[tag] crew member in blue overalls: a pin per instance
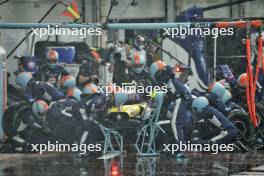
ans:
(54, 123)
(177, 92)
(224, 132)
(220, 98)
(37, 89)
(63, 126)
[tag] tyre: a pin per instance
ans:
(260, 115)
(243, 123)
(8, 117)
(13, 117)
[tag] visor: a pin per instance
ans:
(138, 66)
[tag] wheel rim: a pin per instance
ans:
(242, 128)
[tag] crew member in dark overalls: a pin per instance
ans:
(37, 90)
(51, 72)
(224, 132)
(177, 92)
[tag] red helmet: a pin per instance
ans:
(242, 80)
(40, 107)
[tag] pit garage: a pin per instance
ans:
(132, 87)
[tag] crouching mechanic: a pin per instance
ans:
(220, 98)
(67, 82)
(212, 126)
(72, 120)
(177, 92)
(37, 89)
(31, 130)
(91, 110)
(227, 100)
(64, 127)
(53, 123)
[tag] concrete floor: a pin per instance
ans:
(64, 164)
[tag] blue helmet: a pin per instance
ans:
(200, 103)
(227, 96)
(74, 92)
(22, 79)
(217, 89)
(90, 88)
(68, 81)
(120, 98)
(39, 107)
(243, 80)
(155, 67)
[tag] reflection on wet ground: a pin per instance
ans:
(64, 164)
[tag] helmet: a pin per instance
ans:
(68, 81)
(242, 80)
(120, 98)
(52, 58)
(74, 92)
(95, 55)
(22, 79)
(200, 103)
(138, 61)
(90, 89)
(217, 89)
(227, 96)
(139, 42)
(155, 67)
(39, 107)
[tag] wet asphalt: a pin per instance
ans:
(129, 164)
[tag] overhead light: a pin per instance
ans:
(133, 3)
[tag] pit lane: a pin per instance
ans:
(250, 163)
